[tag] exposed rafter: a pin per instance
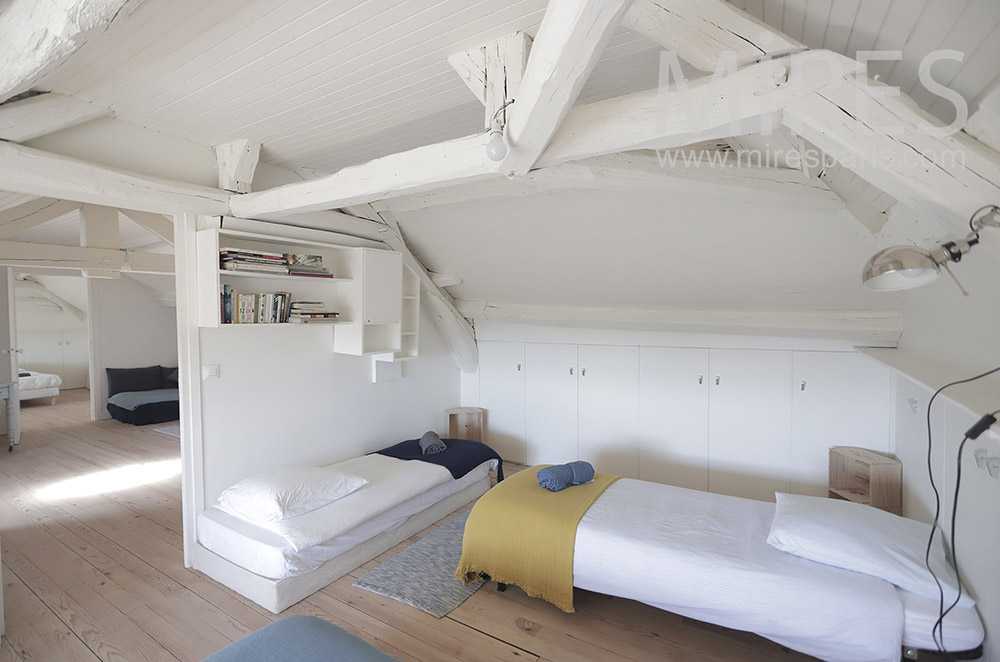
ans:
(28, 282)
(237, 161)
(27, 170)
(702, 32)
(493, 72)
(160, 225)
(38, 211)
(38, 115)
(984, 122)
(36, 37)
(569, 42)
(454, 329)
(15, 254)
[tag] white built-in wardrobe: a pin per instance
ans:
(746, 422)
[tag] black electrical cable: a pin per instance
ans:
(939, 624)
(937, 499)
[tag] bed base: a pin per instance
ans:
(923, 654)
(35, 393)
(276, 595)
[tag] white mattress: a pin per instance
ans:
(963, 629)
(705, 556)
(268, 554)
(37, 380)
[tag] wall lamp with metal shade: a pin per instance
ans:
(904, 267)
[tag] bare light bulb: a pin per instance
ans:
(496, 149)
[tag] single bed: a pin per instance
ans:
(276, 564)
(706, 556)
(33, 385)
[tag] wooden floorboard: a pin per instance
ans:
(101, 577)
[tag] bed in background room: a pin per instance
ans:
(281, 536)
(808, 573)
(32, 385)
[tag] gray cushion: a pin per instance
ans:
(134, 379)
(300, 638)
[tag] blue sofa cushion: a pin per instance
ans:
(300, 638)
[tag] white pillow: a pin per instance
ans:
(284, 493)
(864, 539)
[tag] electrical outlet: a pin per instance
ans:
(210, 371)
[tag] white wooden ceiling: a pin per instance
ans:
(328, 84)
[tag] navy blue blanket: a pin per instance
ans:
(461, 457)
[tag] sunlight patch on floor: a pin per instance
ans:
(112, 480)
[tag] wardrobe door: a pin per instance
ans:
(673, 416)
(43, 352)
(609, 408)
(501, 395)
(551, 403)
(838, 399)
(76, 359)
(749, 438)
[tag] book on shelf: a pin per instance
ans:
(249, 252)
(307, 320)
(315, 315)
(292, 271)
(308, 305)
(255, 267)
(303, 260)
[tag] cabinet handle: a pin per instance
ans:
(519, 367)
(802, 385)
(716, 380)
(571, 371)
(583, 372)
(701, 379)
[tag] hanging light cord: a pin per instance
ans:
(972, 219)
(500, 109)
(937, 632)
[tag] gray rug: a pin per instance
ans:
(172, 430)
(423, 574)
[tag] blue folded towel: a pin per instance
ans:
(431, 444)
(560, 476)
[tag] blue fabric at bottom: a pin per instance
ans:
(300, 638)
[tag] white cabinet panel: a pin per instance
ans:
(551, 403)
(76, 359)
(609, 415)
(42, 351)
(501, 394)
(749, 422)
(673, 416)
(838, 399)
(382, 285)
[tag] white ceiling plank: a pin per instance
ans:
(817, 15)
(41, 173)
(417, 170)
(867, 26)
(935, 22)
(976, 30)
(701, 31)
(38, 211)
(794, 19)
(839, 24)
(899, 23)
(36, 38)
(569, 42)
(237, 160)
(159, 224)
(15, 254)
(984, 122)
(851, 123)
(662, 119)
(38, 115)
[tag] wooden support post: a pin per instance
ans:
(99, 229)
(493, 72)
(237, 161)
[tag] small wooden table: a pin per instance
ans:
(9, 393)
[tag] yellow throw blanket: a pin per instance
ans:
(523, 534)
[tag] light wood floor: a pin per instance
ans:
(102, 577)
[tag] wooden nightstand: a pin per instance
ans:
(465, 423)
(864, 476)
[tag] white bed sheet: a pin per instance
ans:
(37, 380)
(266, 553)
(705, 556)
(963, 629)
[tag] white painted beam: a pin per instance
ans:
(710, 108)
(29, 283)
(160, 225)
(454, 329)
(862, 326)
(38, 115)
(471, 68)
(569, 42)
(38, 211)
(36, 36)
(27, 170)
(889, 141)
(493, 72)
(840, 180)
(414, 171)
(99, 229)
(237, 161)
(984, 123)
(698, 171)
(702, 32)
(16, 254)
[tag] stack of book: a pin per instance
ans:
(245, 259)
(302, 312)
(254, 308)
(299, 264)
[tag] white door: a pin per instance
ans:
(673, 416)
(609, 408)
(76, 359)
(550, 413)
(749, 422)
(382, 287)
(501, 395)
(838, 399)
(9, 360)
